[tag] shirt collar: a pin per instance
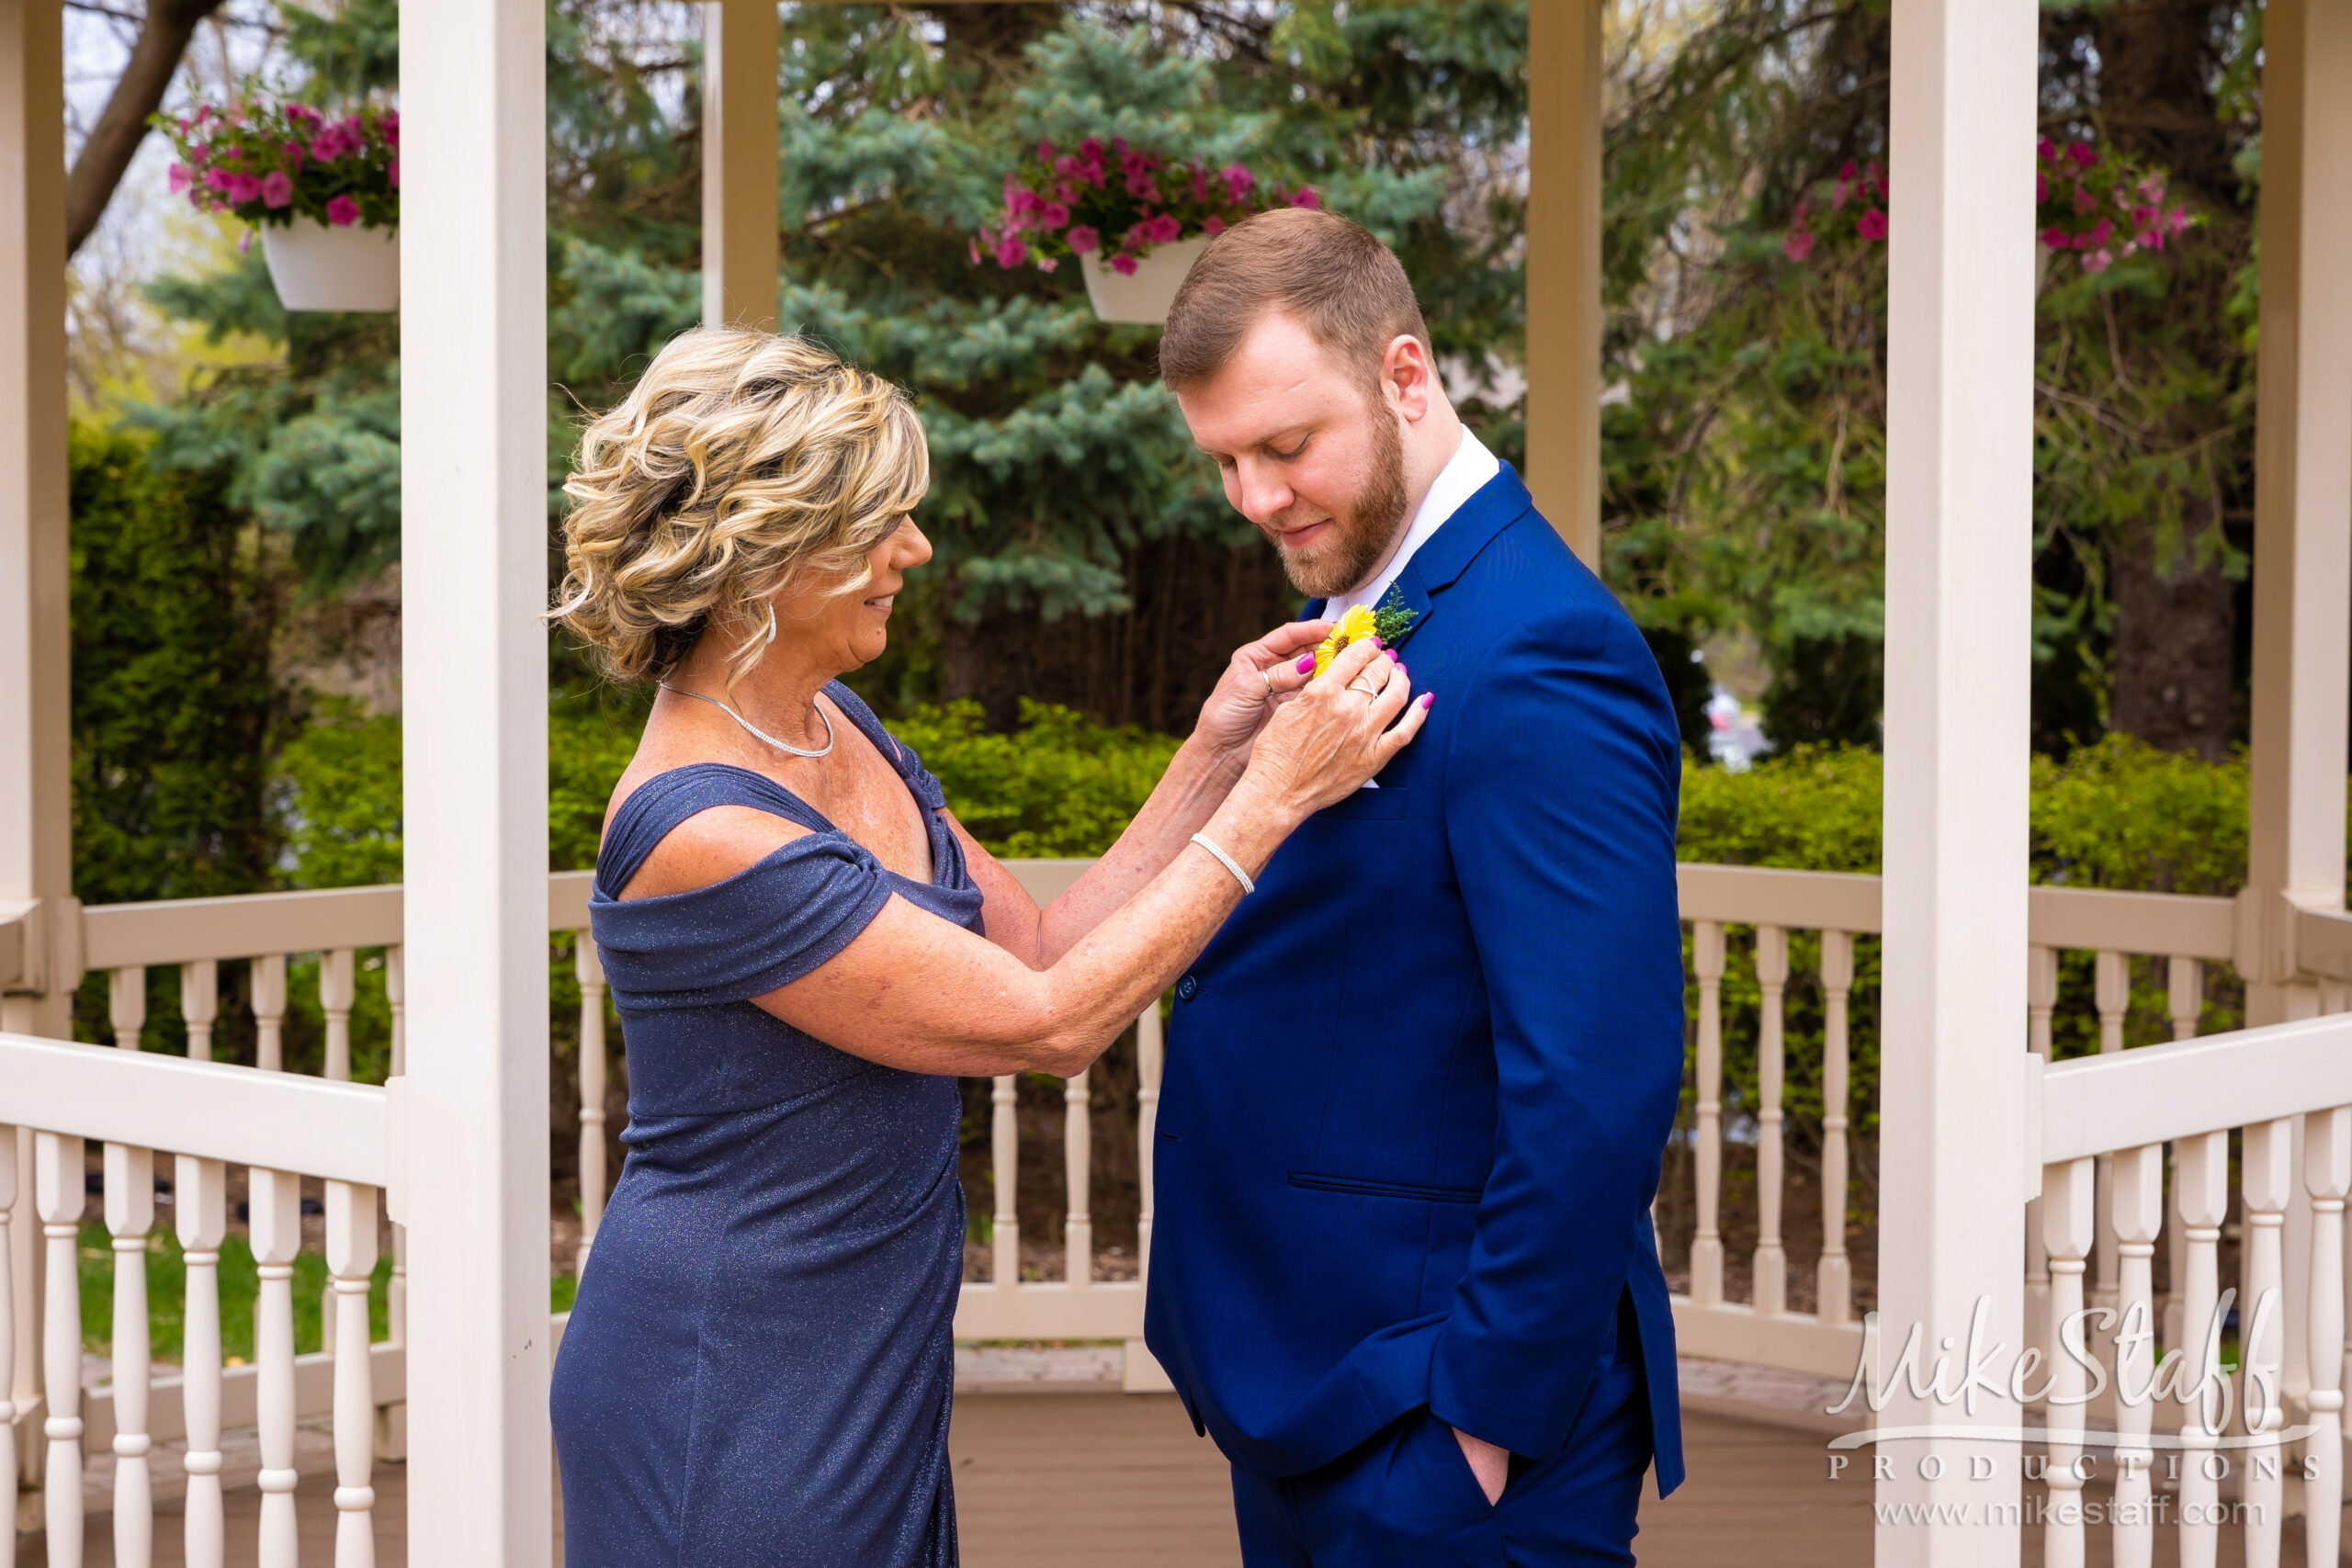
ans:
(1464, 476)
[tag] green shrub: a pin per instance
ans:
(1062, 785)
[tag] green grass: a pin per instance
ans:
(240, 1288)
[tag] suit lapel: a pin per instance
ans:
(1439, 563)
(1436, 566)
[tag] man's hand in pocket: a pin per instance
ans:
(1489, 1463)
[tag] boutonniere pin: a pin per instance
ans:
(1391, 622)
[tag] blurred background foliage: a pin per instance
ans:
(236, 468)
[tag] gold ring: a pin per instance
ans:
(1268, 676)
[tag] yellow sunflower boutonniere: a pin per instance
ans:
(1389, 622)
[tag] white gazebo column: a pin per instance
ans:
(2302, 497)
(36, 788)
(473, 483)
(739, 163)
(1959, 559)
(1563, 270)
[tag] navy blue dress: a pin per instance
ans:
(759, 1366)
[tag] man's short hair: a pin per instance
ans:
(1348, 289)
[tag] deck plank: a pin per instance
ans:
(1058, 1480)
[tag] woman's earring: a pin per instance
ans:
(771, 642)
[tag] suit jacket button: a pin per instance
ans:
(1188, 987)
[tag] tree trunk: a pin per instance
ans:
(122, 125)
(2175, 628)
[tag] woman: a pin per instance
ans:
(809, 950)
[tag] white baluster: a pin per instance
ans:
(1004, 1148)
(58, 1196)
(2186, 997)
(1150, 1047)
(8, 1461)
(1077, 1165)
(269, 985)
(588, 966)
(338, 988)
(2327, 1177)
(2040, 1001)
(2114, 996)
(396, 1293)
(274, 1224)
(2138, 1214)
(1834, 1281)
(2067, 1191)
(200, 1210)
(2200, 1197)
(2265, 1174)
(200, 1006)
(351, 1260)
(1706, 1242)
(131, 1215)
(127, 1005)
(1771, 1263)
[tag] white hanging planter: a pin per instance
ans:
(1145, 294)
(317, 267)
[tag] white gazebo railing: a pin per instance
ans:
(201, 1118)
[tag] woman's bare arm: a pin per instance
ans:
(921, 993)
(1203, 772)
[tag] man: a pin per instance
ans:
(1419, 1086)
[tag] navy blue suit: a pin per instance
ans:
(1417, 1091)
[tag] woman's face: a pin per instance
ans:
(848, 631)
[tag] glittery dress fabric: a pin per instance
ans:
(759, 1366)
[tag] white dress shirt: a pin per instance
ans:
(1462, 477)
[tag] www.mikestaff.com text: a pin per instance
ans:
(2028, 1511)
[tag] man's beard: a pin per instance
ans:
(1365, 532)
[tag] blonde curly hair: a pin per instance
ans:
(740, 463)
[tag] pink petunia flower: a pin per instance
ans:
(216, 179)
(1238, 181)
(293, 153)
(1139, 186)
(1304, 197)
(1011, 251)
(2081, 154)
(178, 178)
(2056, 239)
(1091, 150)
(1044, 152)
(343, 212)
(1083, 239)
(2045, 150)
(2098, 260)
(1797, 246)
(1047, 263)
(245, 187)
(1846, 171)
(1871, 224)
(1123, 265)
(276, 188)
(2085, 201)
(1053, 215)
(1212, 225)
(2176, 219)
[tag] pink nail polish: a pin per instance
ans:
(1306, 665)
(1429, 699)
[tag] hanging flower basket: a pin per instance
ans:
(1145, 294)
(1135, 220)
(324, 192)
(316, 266)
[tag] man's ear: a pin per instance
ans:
(1410, 378)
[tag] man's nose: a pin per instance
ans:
(1264, 494)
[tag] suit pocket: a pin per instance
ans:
(1314, 1181)
(1385, 804)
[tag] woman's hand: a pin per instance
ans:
(1260, 677)
(1341, 730)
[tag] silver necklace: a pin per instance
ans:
(755, 729)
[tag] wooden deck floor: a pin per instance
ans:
(1069, 1479)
